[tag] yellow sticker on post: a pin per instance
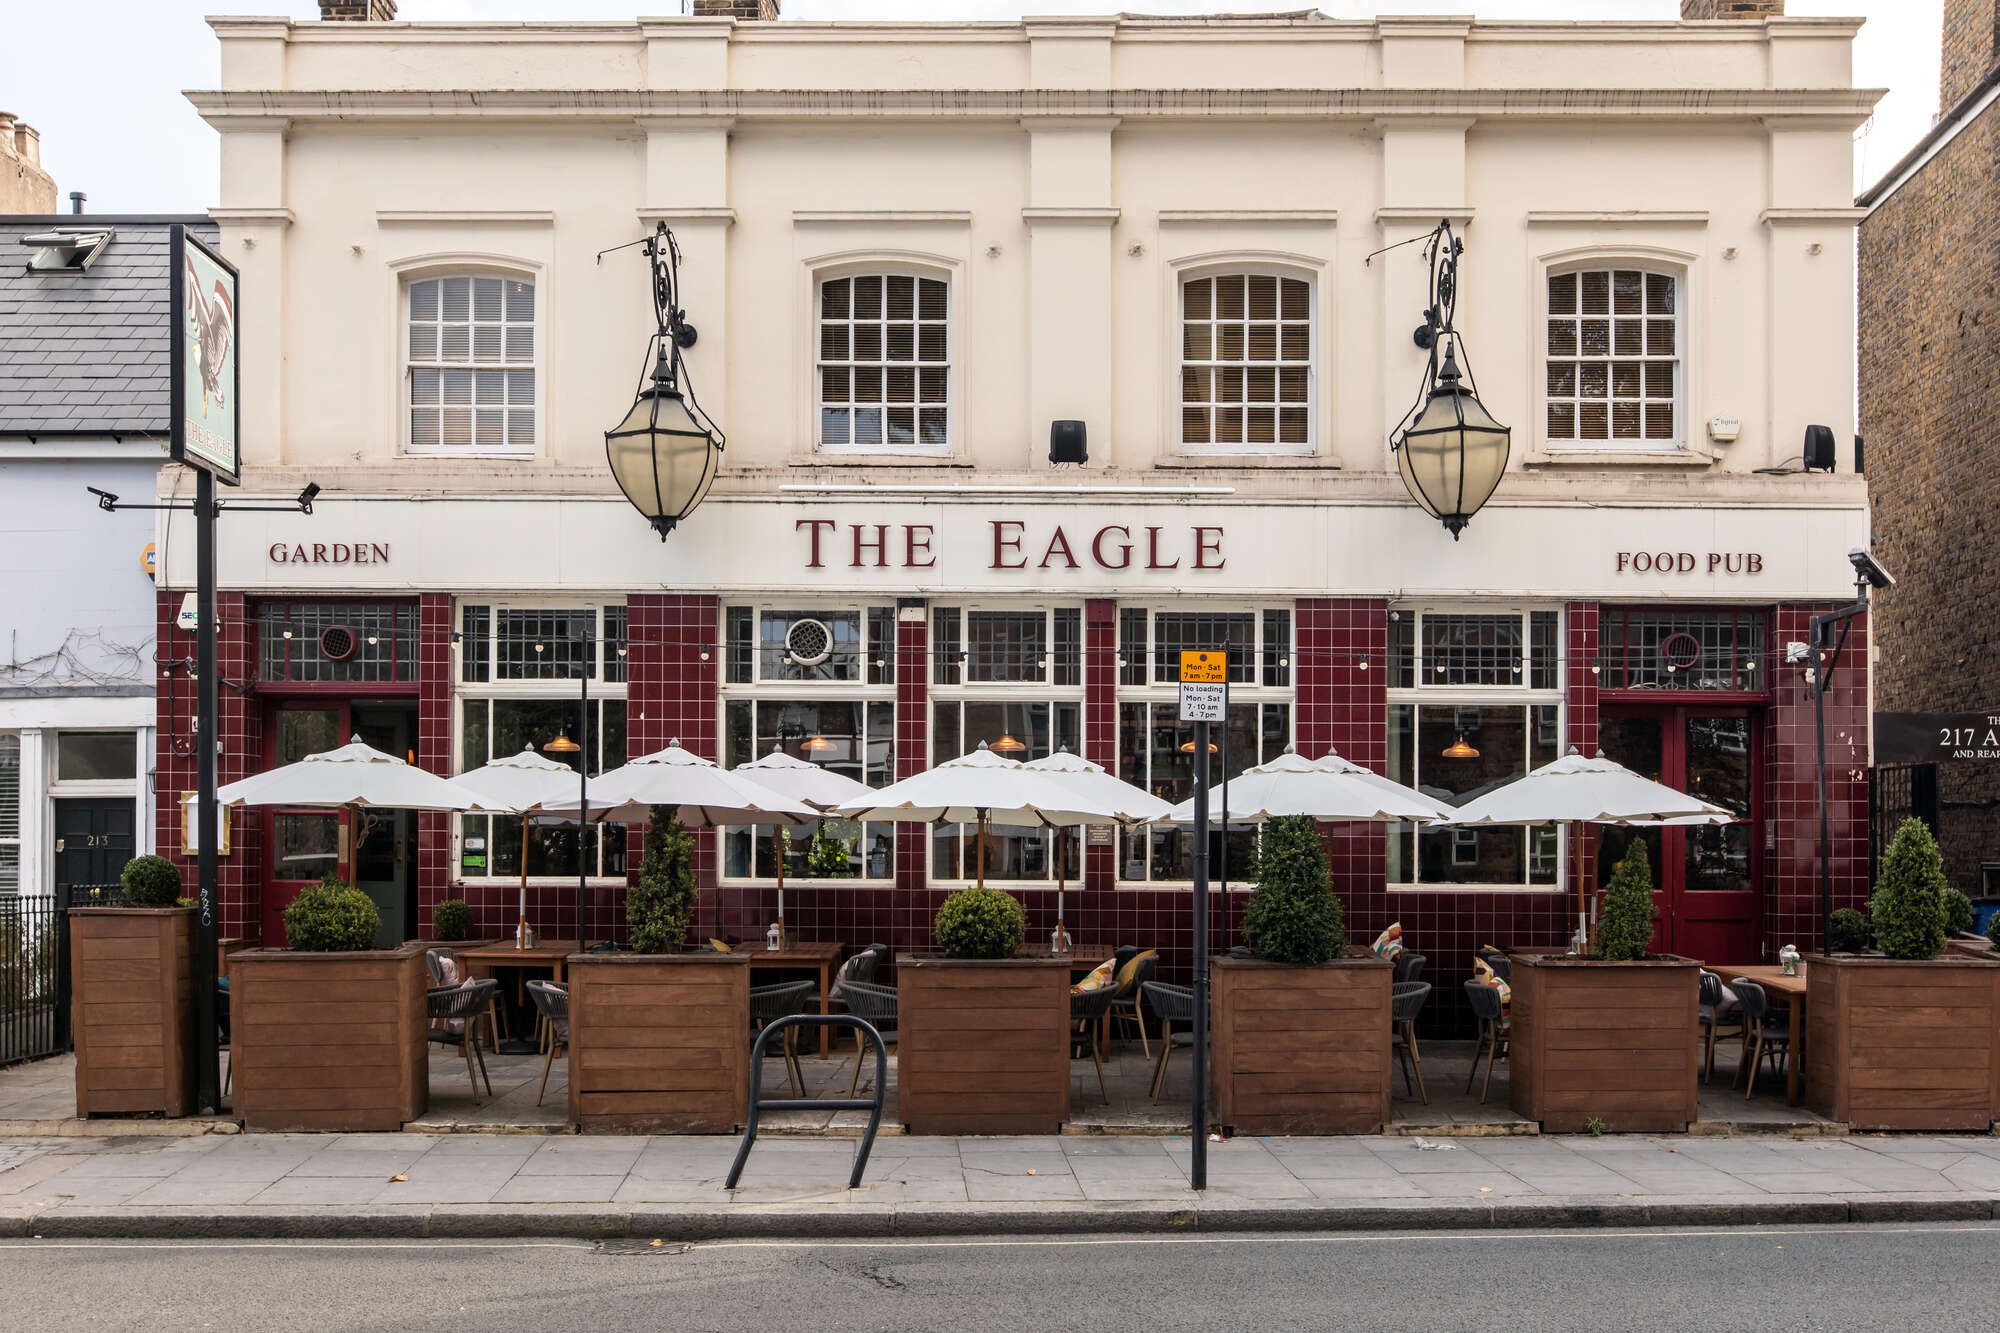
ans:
(1204, 666)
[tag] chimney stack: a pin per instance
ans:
(24, 186)
(743, 11)
(357, 11)
(1697, 10)
(1970, 48)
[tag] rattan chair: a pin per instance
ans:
(1174, 1005)
(768, 1004)
(862, 967)
(1495, 1033)
(1406, 1001)
(1087, 1011)
(876, 1004)
(1764, 1036)
(1713, 1025)
(1408, 967)
(552, 1004)
(455, 1012)
(1128, 995)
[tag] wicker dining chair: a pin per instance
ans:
(876, 1004)
(770, 1003)
(1087, 1011)
(455, 1012)
(1765, 1035)
(1406, 1001)
(1495, 1033)
(1408, 967)
(1713, 1025)
(1175, 1006)
(1128, 994)
(552, 1004)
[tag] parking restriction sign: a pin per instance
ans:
(1204, 667)
(1204, 686)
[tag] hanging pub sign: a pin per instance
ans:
(203, 346)
(1923, 738)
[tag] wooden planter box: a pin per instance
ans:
(1300, 1050)
(1892, 1044)
(659, 1043)
(1618, 1043)
(329, 1041)
(1970, 946)
(982, 1045)
(132, 1010)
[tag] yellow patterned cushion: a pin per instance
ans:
(1390, 942)
(1483, 973)
(1099, 978)
(1128, 975)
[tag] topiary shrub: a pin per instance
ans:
(1293, 916)
(1625, 926)
(981, 923)
(1957, 912)
(452, 920)
(662, 904)
(1908, 906)
(151, 881)
(332, 917)
(1847, 931)
(1993, 929)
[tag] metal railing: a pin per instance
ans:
(758, 1103)
(32, 989)
(1895, 793)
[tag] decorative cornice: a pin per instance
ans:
(1192, 216)
(1779, 217)
(1426, 214)
(1846, 106)
(1555, 217)
(888, 216)
(725, 216)
(531, 217)
(282, 217)
(1081, 216)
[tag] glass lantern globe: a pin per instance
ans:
(662, 455)
(1453, 455)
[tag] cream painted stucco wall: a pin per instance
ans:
(1063, 174)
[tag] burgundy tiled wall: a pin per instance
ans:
(1791, 798)
(673, 662)
(239, 875)
(1582, 678)
(434, 705)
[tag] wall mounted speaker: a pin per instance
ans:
(1067, 442)
(1819, 449)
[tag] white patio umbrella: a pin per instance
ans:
(699, 792)
(982, 788)
(522, 784)
(1576, 791)
(1135, 805)
(820, 788)
(1329, 788)
(355, 775)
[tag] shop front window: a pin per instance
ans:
(809, 645)
(1474, 702)
(315, 643)
(1156, 751)
(852, 737)
(1022, 729)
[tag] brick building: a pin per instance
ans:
(1930, 351)
(908, 249)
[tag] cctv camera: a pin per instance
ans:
(1869, 569)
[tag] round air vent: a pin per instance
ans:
(1680, 650)
(337, 643)
(809, 642)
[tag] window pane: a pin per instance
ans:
(1175, 632)
(1471, 649)
(1463, 751)
(305, 846)
(1006, 645)
(96, 756)
(815, 645)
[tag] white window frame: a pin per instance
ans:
(555, 688)
(15, 840)
(1523, 696)
(890, 264)
(427, 268)
(1003, 692)
(1274, 264)
(1690, 445)
(1166, 694)
(779, 690)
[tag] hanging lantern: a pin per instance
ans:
(1449, 450)
(665, 453)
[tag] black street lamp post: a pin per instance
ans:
(1825, 648)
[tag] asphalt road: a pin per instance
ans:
(1932, 1278)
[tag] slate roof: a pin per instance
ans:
(87, 352)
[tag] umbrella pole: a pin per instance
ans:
(1055, 941)
(982, 848)
(779, 838)
(1582, 891)
(521, 930)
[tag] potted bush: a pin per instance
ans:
(1300, 1036)
(451, 921)
(329, 1033)
(1847, 931)
(1612, 1040)
(132, 997)
(983, 1035)
(658, 1036)
(1906, 1037)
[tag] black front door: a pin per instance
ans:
(93, 843)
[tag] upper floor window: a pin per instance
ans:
(319, 643)
(470, 377)
(1246, 363)
(1614, 361)
(884, 363)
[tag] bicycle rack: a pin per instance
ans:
(758, 1104)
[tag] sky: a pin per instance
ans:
(102, 79)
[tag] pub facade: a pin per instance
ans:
(909, 250)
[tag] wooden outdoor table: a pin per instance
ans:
(801, 956)
(1774, 980)
(1082, 957)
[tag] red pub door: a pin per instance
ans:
(1705, 878)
